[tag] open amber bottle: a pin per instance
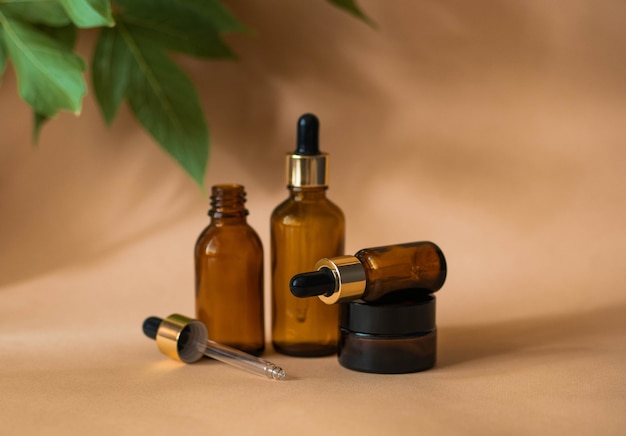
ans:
(304, 228)
(229, 274)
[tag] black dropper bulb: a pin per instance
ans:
(311, 284)
(308, 135)
(151, 326)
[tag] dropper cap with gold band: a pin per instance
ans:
(336, 279)
(176, 333)
(349, 275)
(307, 166)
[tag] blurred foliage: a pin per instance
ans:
(130, 62)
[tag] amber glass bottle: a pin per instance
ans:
(229, 274)
(304, 228)
(420, 265)
(373, 273)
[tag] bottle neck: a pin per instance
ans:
(227, 204)
(299, 193)
(305, 171)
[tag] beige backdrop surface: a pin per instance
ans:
(495, 129)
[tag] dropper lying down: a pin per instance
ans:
(186, 339)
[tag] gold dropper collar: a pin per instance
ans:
(349, 278)
(307, 171)
(177, 336)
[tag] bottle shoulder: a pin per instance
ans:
(294, 207)
(229, 234)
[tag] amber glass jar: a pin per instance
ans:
(394, 335)
(229, 274)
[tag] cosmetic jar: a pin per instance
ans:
(394, 335)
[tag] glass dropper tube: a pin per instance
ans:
(241, 360)
(186, 339)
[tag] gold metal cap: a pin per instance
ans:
(307, 171)
(177, 337)
(349, 278)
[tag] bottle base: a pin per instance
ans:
(305, 349)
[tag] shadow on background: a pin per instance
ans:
(462, 344)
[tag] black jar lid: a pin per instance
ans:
(400, 313)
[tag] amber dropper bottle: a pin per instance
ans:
(229, 274)
(304, 228)
(373, 273)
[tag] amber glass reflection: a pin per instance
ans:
(304, 228)
(388, 355)
(419, 265)
(229, 274)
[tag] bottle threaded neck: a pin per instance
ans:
(228, 201)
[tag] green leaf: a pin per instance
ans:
(38, 122)
(3, 56)
(351, 7)
(166, 103)
(212, 12)
(173, 24)
(66, 35)
(216, 12)
(89, 13)
(110, 65)
(48, 12)
(49, 74)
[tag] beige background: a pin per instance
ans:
(495, 129)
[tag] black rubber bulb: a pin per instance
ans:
(311, 284)
(151, 326)
(308, 135)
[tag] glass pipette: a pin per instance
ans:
(186, 339)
